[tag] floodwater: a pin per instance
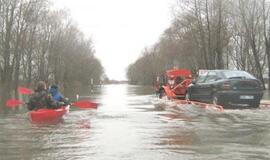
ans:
(132, 124)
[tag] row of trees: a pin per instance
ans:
(210, 34)
(40, 43)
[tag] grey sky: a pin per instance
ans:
(120, 29)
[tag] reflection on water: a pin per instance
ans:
(131, 123)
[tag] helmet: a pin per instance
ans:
(54, 86)
(41, 85)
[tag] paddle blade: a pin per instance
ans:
(13, 103)
(85, 104)
(24, 90)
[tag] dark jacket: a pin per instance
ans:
(41, 99)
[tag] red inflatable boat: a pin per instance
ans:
(48, 115)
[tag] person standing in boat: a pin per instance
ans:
(57, 95)
(41, 98)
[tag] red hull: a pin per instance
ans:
(48, 115)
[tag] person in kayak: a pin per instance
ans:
(57, 95)
(41, 98)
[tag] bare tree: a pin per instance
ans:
(213, 34)
(38, 43)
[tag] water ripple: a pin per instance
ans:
(132, 124)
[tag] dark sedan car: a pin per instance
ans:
(229, 88)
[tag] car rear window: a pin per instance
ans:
(237, 74)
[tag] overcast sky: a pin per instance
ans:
(120, 29)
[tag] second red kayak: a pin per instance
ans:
(48, 115)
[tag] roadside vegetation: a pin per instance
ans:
(210, 34)
(38, 42)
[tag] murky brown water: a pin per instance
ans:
(131, 124)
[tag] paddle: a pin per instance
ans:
(80, 104)
(23, 90)
(13, 103)
(84, 104)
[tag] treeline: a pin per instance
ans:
(210, 34)
(41, 43)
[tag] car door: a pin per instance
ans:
(202, 89)
(208, 85)
(195, 89)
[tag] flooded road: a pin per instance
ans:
(131, 124)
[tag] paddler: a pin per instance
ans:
(57, 95)
(41, 98)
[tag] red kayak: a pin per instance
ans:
(48, 115)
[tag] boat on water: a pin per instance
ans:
(45, 115)
(174, 83)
